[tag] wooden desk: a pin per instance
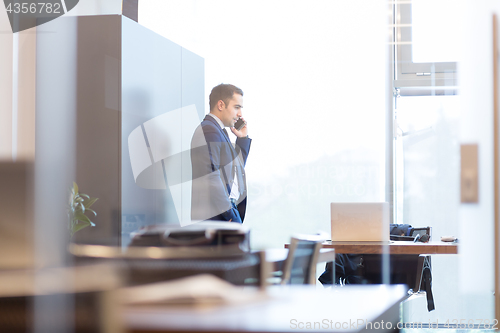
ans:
(394, 247)
(287, 309)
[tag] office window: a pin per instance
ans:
(435, 33)
(426, 44)
(427, 155)
(318, 135)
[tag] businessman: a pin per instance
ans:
(219, 189)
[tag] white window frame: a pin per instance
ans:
(438, 78)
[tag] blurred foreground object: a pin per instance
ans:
(87, 292)
(16, 217)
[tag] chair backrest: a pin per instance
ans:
(300, 264)
(424, 261)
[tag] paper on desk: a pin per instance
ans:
(193, 290)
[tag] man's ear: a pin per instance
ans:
(220, 104)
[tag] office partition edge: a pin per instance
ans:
(496, 165)
(130, 9)
(389, 119)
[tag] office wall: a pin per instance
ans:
(98, 42)
(17, 86)
(25, 94)
(96, 7)
(476, 77)
(476, 220)
(6, 54)
(56, 105)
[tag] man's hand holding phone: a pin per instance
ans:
(240, 128)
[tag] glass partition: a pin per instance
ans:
(431, 125)
(427, 155)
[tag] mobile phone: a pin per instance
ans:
(239, 124)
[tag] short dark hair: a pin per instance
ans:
(223, 92)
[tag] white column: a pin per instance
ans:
(6, 46)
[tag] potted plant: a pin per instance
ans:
(79, 205)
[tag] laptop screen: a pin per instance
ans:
(360, 221)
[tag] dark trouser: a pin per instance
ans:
(224, 216)
(347, 269)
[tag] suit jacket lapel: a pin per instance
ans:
(232, 151)
(210, 118)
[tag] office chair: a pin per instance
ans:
(423, 281)
(300, 264)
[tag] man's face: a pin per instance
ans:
(232, 111)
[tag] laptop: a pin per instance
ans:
(360, 221)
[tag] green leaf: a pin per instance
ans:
(81, 217)
(80, 226)
(90, 202)
(79, 204)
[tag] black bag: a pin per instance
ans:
(400, 229)
(405, 232)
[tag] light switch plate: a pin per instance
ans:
(469, 173)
